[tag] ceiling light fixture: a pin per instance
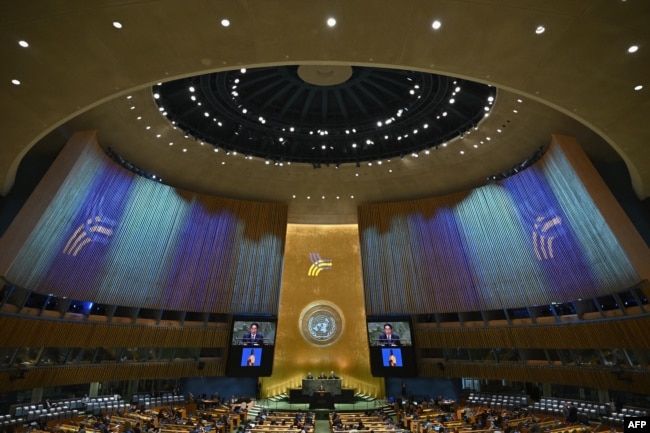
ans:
(117, 24)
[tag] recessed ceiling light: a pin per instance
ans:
(15, 82)
(540, 29)
(331, 22)
(639, 87)
(23, 44)
(436, 24)
(633, 49)
(117, 24)
(225, 22)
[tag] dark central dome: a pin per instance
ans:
(324, 114)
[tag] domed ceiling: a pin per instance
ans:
(324, 114)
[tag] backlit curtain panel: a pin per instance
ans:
(533, 238)
(113, 237)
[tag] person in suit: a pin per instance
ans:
(332, 375)
(253, 338)
(310, 376)
(389, 338)
(322, 375)
(572, 414)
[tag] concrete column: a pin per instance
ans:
(603, 396)
(37, 395)
(131, 389)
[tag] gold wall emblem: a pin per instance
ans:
(321, 323)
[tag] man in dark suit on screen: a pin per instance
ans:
(388, 338)
(253, 338)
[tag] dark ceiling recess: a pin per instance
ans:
(320, 114)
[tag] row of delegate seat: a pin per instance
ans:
(68, 409)
(587, 410)
(33, 413)
(101, 407)
(64, 409)
(617, 418)
(498, 401)
(148, 402)
(22, 410)
(8, 420)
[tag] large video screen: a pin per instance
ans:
(391, 346)
(251, 346)
(253, 331)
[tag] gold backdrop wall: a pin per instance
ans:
(321, 324)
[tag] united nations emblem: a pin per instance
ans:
(321, 323)
(321, 326)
